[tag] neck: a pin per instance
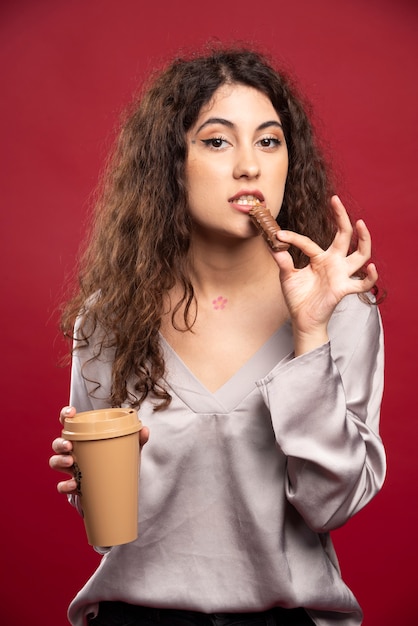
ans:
(229, 267)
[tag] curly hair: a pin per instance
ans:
(138, 248)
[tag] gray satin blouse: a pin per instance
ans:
(239, 489)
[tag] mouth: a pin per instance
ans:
(247, 200)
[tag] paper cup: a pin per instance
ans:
(106, 468)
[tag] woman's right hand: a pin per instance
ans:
(62, 460)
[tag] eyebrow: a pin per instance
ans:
(229, 124)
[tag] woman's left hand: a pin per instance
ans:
(313, 292)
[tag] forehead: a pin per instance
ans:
(236, 101)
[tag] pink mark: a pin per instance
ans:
(219, 302)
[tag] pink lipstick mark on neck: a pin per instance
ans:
(219, 303)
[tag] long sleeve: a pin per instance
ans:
(325, 408)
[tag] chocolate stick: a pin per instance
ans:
(267, 226)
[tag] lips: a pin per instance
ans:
(247, 198)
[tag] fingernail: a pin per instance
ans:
(67, 410)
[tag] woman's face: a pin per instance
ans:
(237, 155)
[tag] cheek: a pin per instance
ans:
(201, 180)
(281, 174)
(284, 171)
(193, 175)
(197, 186)
(280, 189)
(285, 165)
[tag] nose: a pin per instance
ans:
(246, 164)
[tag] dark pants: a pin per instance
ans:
(122, 614)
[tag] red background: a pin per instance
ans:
(68, 67)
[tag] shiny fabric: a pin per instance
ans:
(239, 489)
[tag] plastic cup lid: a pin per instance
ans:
(101, 424)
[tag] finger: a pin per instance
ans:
(372, 275)
(143, 436)
(364, 245)
(304, 243)
(344, 232)
(359, 257)
(61, 463)
(67, 486)
(285, 263)
(67, 411)
(365, 284)
(61, 446)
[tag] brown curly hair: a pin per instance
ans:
(138, 249)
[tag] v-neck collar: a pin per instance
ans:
(198, 397)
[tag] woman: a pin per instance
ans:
(258, 373)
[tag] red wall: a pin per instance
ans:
(67, 68)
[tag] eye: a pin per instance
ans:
(215, 143)
(269, 142)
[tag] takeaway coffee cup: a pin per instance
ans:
(106, 468)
